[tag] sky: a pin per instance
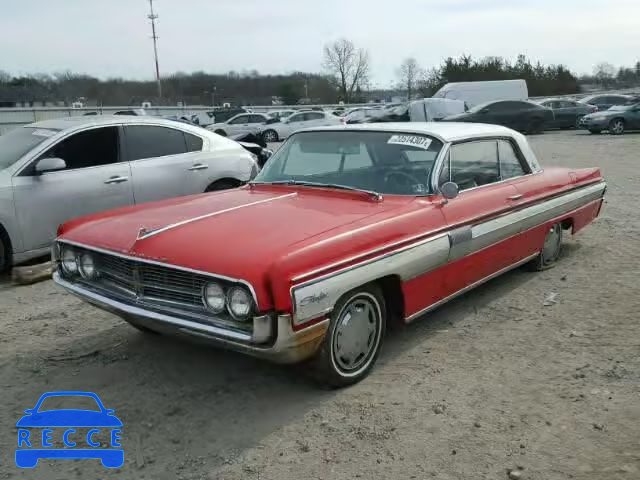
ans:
(111, 38)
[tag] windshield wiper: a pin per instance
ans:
(304, 183)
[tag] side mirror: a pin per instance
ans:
(449, 190)
(50, 164)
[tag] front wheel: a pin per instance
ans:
(550, 249)
(352, 343)
(578, 123)
(616, 127)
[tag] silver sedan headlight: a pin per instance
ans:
(214, 297)
(87, 266)
(239, 303)
(68, 261)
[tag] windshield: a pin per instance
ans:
(382, 162)
(16, 143)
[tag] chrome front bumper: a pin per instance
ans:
(286, 346)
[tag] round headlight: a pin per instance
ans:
(214, 297)
(87, 266)
(68, 260)
(239, 303)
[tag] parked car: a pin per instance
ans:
(346, 230)
(280, 114)
(242, 124)
(567, 113)
(55, 170)
(616, 120)
(361, 115)
(281, 130)
(524, 116)
(604, 102)
(134, 112)
(476, 93)
(220, 115)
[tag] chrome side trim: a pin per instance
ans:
(318, 296)
(144, 234)
(161, 264)
(469, 287)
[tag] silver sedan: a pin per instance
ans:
(55, 170)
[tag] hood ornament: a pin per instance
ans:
(144, 233)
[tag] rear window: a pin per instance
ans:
(16, 143)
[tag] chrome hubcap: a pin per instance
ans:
(270, 136)
(355, 334)
(551, 244)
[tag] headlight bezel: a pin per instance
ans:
(82, 270)
(205, 297)
(66, 263)
(249, 301)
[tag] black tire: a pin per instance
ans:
(5, 253)
(329, 365)
(595, 131)
(616, 126)
(270, 136)
(222, 133)
(223, 185)
(550, 251)
(535, 126)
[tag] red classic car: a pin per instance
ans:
(345, 230)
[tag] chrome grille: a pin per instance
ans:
(149, 284)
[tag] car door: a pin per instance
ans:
(96, 178)
(164, 162)
(294, 123)
(256, 123)
(238, 125)
(473, 216)
(633, 117)
(315, 119)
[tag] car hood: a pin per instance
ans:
(236, 233)
(69, 418)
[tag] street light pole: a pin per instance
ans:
(152, 16)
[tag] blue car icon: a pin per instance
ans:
(31, 447)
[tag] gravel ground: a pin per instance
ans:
(492, 382)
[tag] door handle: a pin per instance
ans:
(198, 166)
(516, 197)
(116, 179)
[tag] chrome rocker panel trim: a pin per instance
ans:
(289, 346)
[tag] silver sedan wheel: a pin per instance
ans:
(552, 243)
(357, 334)
(270, 136)
(617, 127)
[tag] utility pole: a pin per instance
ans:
(152, 16)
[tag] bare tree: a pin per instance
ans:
(604, 73)
(348, 65)
(410, 75)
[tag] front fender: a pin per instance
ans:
(8, 216)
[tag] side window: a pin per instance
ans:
(148, 141)
(90, 148)
(242, 119)
(474, 164)
(510, 165)
(297, 118)
(257, 119)
(313, 116)
(194, 143)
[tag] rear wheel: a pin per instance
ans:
(5, 253)
(270, 136)
(579, 121)
(352, 343)
(225, 184)
(550, 249)
(616, 127)
(535, 126)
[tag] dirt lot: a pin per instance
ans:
(493, 381)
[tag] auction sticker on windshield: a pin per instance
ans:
(411, 140)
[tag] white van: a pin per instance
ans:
(475, 93)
